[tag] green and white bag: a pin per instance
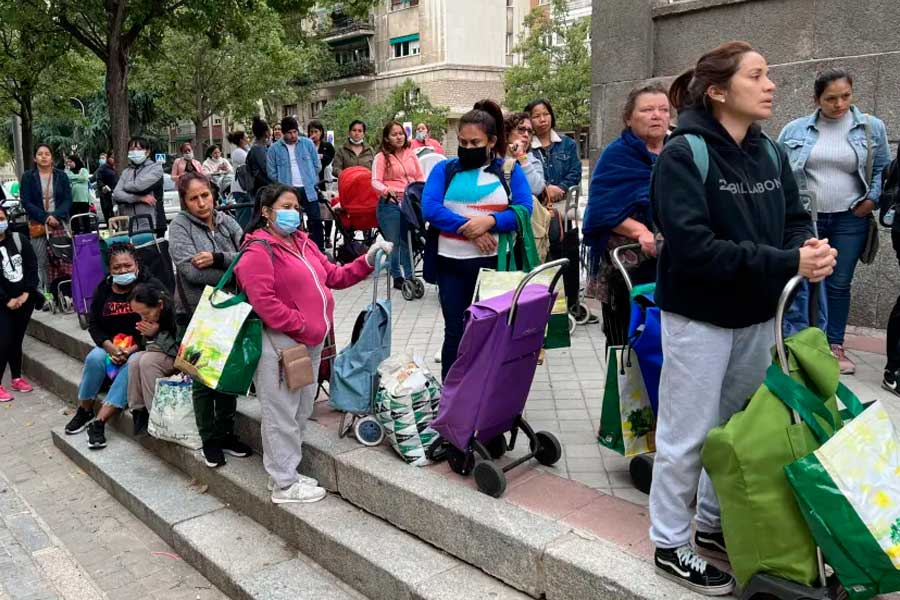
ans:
(406, 404)
(849, 493)
(627, 424)
(172, 413)
(223, 341)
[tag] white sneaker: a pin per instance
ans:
(298, 492)
(270, 484)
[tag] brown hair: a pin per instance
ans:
(515, 119)
(185, 181)
(488, 116)
(715, 68)
(387, 148)
(631, 101)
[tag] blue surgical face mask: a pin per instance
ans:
(137, 156)
(124, 279)
(287, 220)
(3, 226)
(102, 161)
(421, 135)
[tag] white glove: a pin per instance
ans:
(380, 244)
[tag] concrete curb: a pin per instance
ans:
(236, 554)
(530, 552)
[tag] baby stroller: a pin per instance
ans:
(60, 250)
(87, 265)
(645, 340)
(354, 371)
(411, 207)
(354, 210)
(486, 389)
(241, 212)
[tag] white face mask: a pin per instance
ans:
(188, 156)
(137, 156)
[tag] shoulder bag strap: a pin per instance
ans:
(229, 273)
(700, 154)
(800, 399)
(870, 151)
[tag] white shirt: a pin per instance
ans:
(238, 159)
(296, 178)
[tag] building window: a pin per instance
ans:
(407, 45)
(401, 4)
(288, 110)
(317, 106)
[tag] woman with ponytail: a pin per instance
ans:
(469, 201)
(733, 238)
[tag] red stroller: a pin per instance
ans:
(353, 209)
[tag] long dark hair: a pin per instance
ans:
(78, 164)
(715, 68)
(266, 198)
(260, 128)
(487, 116)
(150, 294)
(386, 146)
(829, 76)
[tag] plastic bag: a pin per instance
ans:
(172, 414)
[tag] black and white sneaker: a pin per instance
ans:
(79, 421)
(890, 381)
(96, 432)
(685, 567)
(711, 545)
(233, 446)
(213, 455)
(141, 418)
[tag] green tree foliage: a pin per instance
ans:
(556, 64)
(404, 103)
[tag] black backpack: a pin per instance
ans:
(890, 190)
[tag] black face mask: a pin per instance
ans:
(472, 158)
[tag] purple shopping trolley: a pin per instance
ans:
(485, 391)
(87, 266)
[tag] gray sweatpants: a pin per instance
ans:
(39, 245)
(708, 374)
(284, 413)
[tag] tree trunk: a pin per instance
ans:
(117, 100)
(27, 116)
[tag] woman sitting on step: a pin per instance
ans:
(158, 335)
(113, 326)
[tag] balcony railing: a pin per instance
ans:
(354, 69)
(347, 28)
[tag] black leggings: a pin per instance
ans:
(893, 328)
(12, 331)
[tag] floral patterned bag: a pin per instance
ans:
(172, 413)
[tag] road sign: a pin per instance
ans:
(160, 158)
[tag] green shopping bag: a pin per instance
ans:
(223, 342)
(849, 492)
(627, 425)
(764, 529)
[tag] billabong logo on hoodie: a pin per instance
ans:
(742, 187)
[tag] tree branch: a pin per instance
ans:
(82, 37)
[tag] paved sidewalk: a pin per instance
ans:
(568, 388)
(62, 535)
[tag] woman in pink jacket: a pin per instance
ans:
(394, 168)
(186, 163)
(296, 307)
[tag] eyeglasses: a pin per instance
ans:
(525, 130)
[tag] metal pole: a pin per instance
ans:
(17, 145)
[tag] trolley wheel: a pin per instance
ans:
(460, 462)
(641, 470)
(490, 478)
(572, 324)
(368, 431)
(408, 290)
(548, 450)
(82, 321)
(581, 313)
(419, 287)
(497, 446)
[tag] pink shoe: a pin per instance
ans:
(4, 395)
(21, 385)
(846, 365)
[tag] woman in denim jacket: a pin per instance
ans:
(828, 151)
(558, 154)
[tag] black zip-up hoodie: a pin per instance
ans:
(732, 244)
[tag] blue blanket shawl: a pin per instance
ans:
(620, 188)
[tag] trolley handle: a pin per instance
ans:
(133, 222)
(556, 264)
(617, 261)
(573, 194)
(91, 217)
(381, 262)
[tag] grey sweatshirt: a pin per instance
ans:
(135, 183)
(188, 235)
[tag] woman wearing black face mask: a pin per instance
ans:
(469, 201)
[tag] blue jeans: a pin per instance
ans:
(797, 317)
(394, 229)
(93, 376)
(456, 285)
(846, 232)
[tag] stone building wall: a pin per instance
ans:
(638, 40)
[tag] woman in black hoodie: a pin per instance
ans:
(735, 233)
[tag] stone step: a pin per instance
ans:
(238, 555)
(530, 552)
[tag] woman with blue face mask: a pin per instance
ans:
(140, 188)
(288, 281)
(111, 315)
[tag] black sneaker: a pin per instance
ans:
(79, 421)
(398, 283)
(213, 455)
(685, 567)
(233, 446)
(141, 418)
(711, 545)
(96, 432)
(890, 381)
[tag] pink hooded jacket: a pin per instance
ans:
(298, 302)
